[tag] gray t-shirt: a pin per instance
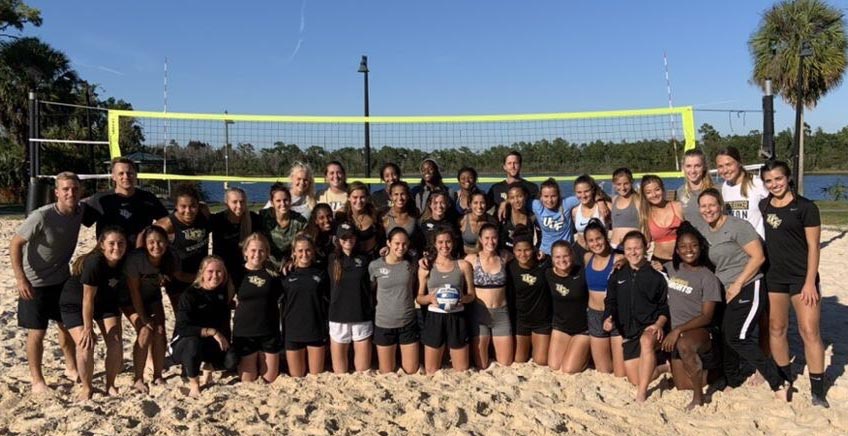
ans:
(691, 210)
(688, 289)
(51, 239)
(726, 251)
(395, 296)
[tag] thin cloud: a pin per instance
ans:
(101, 68)
(300, 38)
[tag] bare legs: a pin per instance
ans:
(608, 355)
(539, 344)
(567, 353)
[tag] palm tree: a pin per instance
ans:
(786, 29)
(30, 64)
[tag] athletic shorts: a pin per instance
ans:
(73, 318)
(569, 332)
(245, 346)
(347, 332)
(441, 328)
(522, 329)
(710, 359)
(483, 321)
(36, 314)
(596, 324)
(299, 345)
(633, 349)
(408, 334)
(792, 289)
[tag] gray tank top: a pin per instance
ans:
(454, 278)
(411, 226)
(627, 217)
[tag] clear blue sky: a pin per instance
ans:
(426, 58)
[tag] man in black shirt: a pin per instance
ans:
(512, 166)
(125, 206)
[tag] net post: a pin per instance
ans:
(32, 202)
(688, 114)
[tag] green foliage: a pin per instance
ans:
(837, 191)
(12, 168)
(15, 13)
(775, 49)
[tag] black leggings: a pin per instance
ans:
(191, 351)
(739, 327)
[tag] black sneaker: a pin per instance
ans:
(820, 402)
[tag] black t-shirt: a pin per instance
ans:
(138, 266)
(132, 213)
(95, 272)
(429, 227)
(191, 242)
(226, 237)
(570, 298)
(380, 200)
(786, 240)
(199, 308)
(529, 289)
(306, 293)
(258, 310)
(350, 298)
(498, 192)
(507, 231)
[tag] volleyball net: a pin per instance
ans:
(261, 148)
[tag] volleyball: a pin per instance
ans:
(447, 297)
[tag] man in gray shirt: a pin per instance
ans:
(40, 252)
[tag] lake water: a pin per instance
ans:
(257, 192)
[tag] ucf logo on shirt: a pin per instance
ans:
(125, 214)
(773, 220)
(553, 223)
(256, 281)
(561, 289)
(530, 279)
(383, 271)
(194, 234)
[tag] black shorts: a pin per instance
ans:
(36, 314)
(299, 345)
(633, 349)
(73, 318)
(570, 331)
(245, 346)
(522, 329)
(792, 289)
(441, 328)
(408, 334)
(710, 359)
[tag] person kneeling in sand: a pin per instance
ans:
(203, 322)
(693, 293)
(636, 304)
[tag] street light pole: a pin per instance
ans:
(798, 152)
(363, 68)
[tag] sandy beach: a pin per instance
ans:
(522, 399)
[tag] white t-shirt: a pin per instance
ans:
(336, 201)
(746, 208)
